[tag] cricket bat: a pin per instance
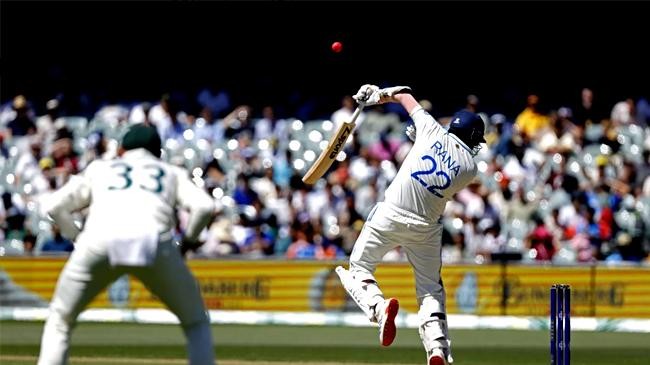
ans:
(335, 145)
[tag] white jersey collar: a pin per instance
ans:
(137, 153)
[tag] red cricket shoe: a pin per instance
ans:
(437, 358)
(387, 329)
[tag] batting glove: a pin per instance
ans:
(372, 94)
(365, 92)
(385, 95)
(411, 132)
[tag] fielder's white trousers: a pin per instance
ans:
(88, 272)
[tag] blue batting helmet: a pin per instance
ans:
(469, 127)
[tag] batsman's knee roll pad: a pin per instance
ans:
(429, 304)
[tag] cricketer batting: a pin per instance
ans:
(439, 165)
(131, 205)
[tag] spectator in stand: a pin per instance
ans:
(164, 115)
(29, 244)
(541, 241)
(642, 111)
(588, 111)
(237, 122)
(302, 246)
(502, 139)
(531, 120)
(623, 113)
(22, 124)
(344, 113)
(13, 222)
(48, 124)
(66, 159)
(385, 148)
(472, 103)
(28, 175)
(57, 243)
(206, 127)
(243, 193)
(629, 228)
(270, 127)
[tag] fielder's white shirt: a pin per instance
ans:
(132, 200)
(437, 167)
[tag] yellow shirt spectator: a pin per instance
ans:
(530, 121)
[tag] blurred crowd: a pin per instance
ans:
(562, 183)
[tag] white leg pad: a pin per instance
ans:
(433, 338)
(432, 334)
(433, 329)
(356, 291)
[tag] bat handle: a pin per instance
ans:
(357, 112)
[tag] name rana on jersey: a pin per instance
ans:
(445, 158)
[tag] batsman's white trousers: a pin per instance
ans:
(389, 226)
(88, 272)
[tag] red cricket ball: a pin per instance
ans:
(337, 47)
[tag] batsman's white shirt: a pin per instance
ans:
(437, 167)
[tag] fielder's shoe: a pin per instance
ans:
(438, 357)
(386, 312)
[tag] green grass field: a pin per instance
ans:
(108, 343)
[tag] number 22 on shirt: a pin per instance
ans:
(432, 188)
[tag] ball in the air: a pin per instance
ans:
(337, 47)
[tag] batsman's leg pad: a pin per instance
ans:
(433, 329)
(375, 296)
(430, 304)
(432, 308)
(365, 295)
(370, 285)
(432, 332)
(433, 336)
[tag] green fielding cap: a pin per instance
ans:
(142, 136)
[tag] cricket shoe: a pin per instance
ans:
(438, 357)
(386, 312)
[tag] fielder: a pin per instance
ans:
(439, 165)
(131, 205)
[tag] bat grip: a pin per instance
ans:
(357, 112)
